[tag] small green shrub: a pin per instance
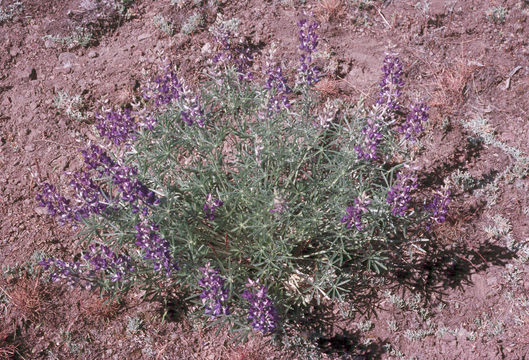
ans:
(497, 14)
(262, 200)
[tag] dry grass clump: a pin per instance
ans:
(451, 84)
(7, 350)
(327, 87)
(27, 297)
(97, 308)
(327, 10)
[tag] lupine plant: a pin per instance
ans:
(255, 196)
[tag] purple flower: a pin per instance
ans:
(96, 158)
(308, 41)
(71, 272)
(210, 206)
(90, 197)
(55, 203)
(391, 84)
(214, 294)
(170, 89)
(355, 212)
(102, 258)
(192, 111)
(101, 261)
(155, 248)
(237, 54)
(438, 207)
(262, 311)
(119, 127)
(414, 120)
(279, 205)
(131, 189)
(371, 139)
(165, 89)
(399, 196)
(277, 87)
(147, 120)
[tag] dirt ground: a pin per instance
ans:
(467, 298)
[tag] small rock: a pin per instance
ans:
(24, 132)
(14, 51)
(526, 285)
(92, 54)
(447, 337)
(206, 49)
(67, 60)
(463, 333)
(29, 147)
(6, 102)
(144, 36)
(49, 44)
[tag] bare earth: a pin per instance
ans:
(467, 298)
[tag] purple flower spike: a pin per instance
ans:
(391, 84)
(88, 195)
(262, 311)
(372, 138)
(399, 196)
(165, 89)
(277, 87)
(414, 120)
(438, 208)
(155, 248)
(214, 294)
(210, 206)
(232, 52)
(102, 258)
(192, 110)
(88, 200)
(131, 189)
(96, 158)
(119, 127)
(101, 261)
(56, 204)
(355, 212)
(170, 89)
(308, 41)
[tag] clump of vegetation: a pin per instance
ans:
(192, 23)
(497, 14)
(72, 105)
(10, 11)
(259, 198)
(79, 37)
(165, 25)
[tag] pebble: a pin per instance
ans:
(144, 36)
(92, 54)
(206, 49)
(14, 51)
(67, 61)
(492, 281)
(447, 337)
